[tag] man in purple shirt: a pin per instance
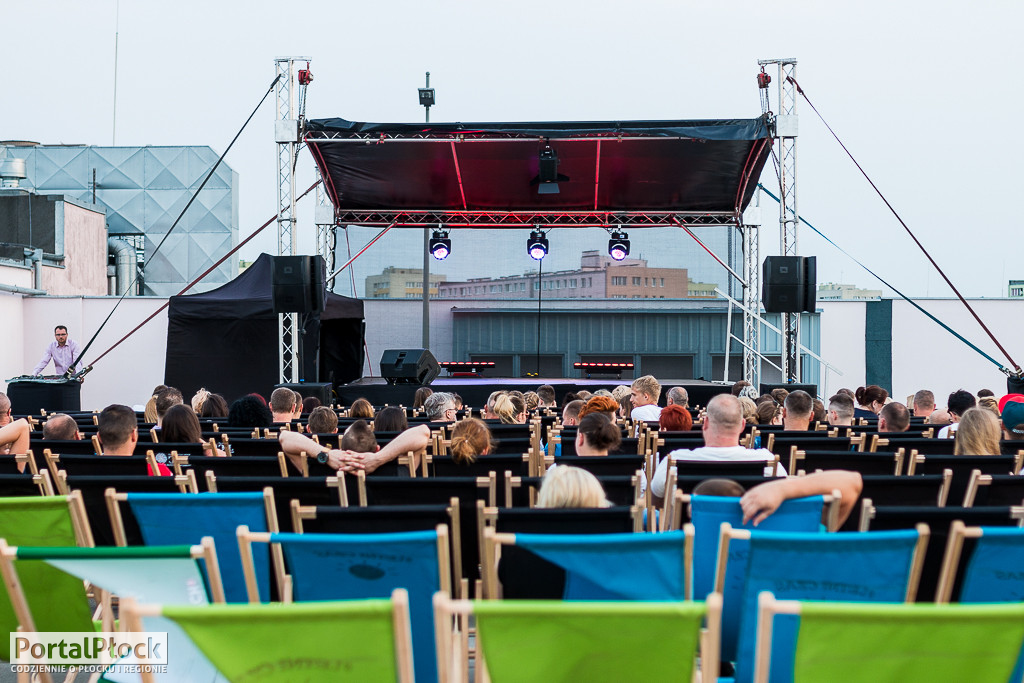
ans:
(63, 352)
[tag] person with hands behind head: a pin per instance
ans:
(764, 499)
(413, 440)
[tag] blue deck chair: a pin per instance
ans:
(708, 513)
(603, 566)
(184, 518)
(357, 566)
(862, 643)
(171, 575)
(882, 566)
(983, 564)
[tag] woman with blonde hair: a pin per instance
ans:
(150, 414)
(571, 487)
(978, 434)
(470, 438)
(510, 409)
(749, 409)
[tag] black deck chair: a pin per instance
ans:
(235, 466)
(309, 491)
(994, 489)
(865, 463)
(619, 490)
(444, 466)
(93, 488)
(924, 490)
(605, 465)
(961, 467)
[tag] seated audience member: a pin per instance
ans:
(840, 410)
(978, 433)
(309, 404)
(924, 403)
(489, 406)
(164, 400)
(297, 407)
(546, 394)
(510, 409)
(584, 395)
(739, 386)
(958, 403)
(819, 411)
(118, 432)
(181, 425)
(644, 395)
(625, 405)
(323, 420)
(1011, 409)
(870, 400)
(749, 409)
(390, 419)
(150, 412)
(282, 405)
(600, 404)
(722, 428)
(215, 406)
(532, 401)
(749, 392)
(15, 438)
(250, 411)
(797, 411)
(676, 418)
(361, 409)
(719, 487)
(413, 440)
(420, 397)
(779, 394)
(768, 413)
(764, 499)
(571, 413)
(603, 392)
(5, 410)
(597, 435)
(359, 437)
(893, 417)
(198, 399)
(982, 393)
(470, 438)
(439, 407)
(61, 427)
(677, 396)
(620, 391)
(571, 487)
(458, 402)
(989, 403)
(939, 416)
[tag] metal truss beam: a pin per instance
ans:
(527, 219)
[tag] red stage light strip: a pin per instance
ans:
(602, 365)
(466, 364)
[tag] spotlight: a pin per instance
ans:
(537, 245)
(440, 245)
(618, 245)
(548, 176)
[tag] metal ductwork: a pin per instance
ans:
(125, 263)
(12, 172)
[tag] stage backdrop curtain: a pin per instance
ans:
(226, 339)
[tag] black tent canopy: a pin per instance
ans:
(486, 174)
(227, 339)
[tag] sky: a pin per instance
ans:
(922, 93)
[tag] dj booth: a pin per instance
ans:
(29, 395)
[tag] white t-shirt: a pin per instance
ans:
(946, 431)
(648, 413)
(712, 454)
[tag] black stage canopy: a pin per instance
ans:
(490, 174)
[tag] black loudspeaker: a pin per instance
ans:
(409, 366)
(789, 284)
(322, 390)
(297, 284)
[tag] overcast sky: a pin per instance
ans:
(925, 94)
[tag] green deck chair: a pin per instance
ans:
(596, 642)
(357, 640)
(909, 643)
(45, 521)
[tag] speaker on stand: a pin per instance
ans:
(409, 366)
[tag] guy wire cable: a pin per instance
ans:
(884, 282)
(1016, 368)
(180, 216)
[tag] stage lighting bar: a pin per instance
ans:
(610, 366)
(440, 245)
(463, 364)
(537, 245)
(618, 245)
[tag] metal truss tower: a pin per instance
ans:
(326, 229)
(752, 293)
(786, 131)
(286, 135)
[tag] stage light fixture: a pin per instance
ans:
(548, 176)
(618, 245)
(537, 245)
(440, 245)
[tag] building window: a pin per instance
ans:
(662, 282)
(636, 281)
(619, 280)
(646, 283)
